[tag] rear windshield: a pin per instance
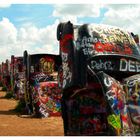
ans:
(98, 39)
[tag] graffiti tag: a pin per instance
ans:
(114, 120)
(67, 75)
(41, 77)
(47, 65)
(129, 65)
(107, 65)
(114, 94)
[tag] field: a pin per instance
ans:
(13, 125)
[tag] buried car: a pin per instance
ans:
(42, 93)
(97, 61)
(17, 77)
(5, 74)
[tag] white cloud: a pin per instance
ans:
(8, 32)
(4, 5)
(125, 16)
(72, 11)
(80, 10)
(14, 41)
(8, 38)
(39, 40)
(122, 15)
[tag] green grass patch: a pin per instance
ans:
(9, 95)
(20, 108)
(1, 85)
(4, 88)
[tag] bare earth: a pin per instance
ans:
(12, 125)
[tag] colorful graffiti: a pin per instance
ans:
(40, 77)
(114, 120)
(86, 114)
(46, 98)
(46, 65)
(5, 71)
(17, 77)
(95, 48)
(42, 86)
(105, 39)
(132, 89)
(19, 86)
(115, 95)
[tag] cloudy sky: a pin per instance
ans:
(32, 27)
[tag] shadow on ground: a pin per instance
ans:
(8, 112)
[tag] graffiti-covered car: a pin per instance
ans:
(136, 38)
(17, 77)
(5, 74)
(1, 73)
(96, 62)
(42, 91)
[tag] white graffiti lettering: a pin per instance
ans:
(86, 43)
(108, 82)
(40, 76)
(101, 65)
(129, 65)
(131, 83)
(133, 89)
(67, 75)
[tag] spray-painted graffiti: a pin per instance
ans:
(100, 64)
(86, 45)
(6, 74)
(111, 34)
(114, 120)
(67, 75)
(65, 39)
(87, 114)
(46, 97)
(19, 86)
(116, 63)
(115, 95)
(127, 125)
(41, 77)
(104, 39)
(129, 65)
(135, 113)
(46, 65)
(132, 89)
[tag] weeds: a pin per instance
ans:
(4, 88)
(9, 95)
(20, 107)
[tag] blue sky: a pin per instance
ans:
(33, 26)
(39, 14)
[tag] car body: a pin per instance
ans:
(5, 74)
(42, 91)
(17, 77)
(95, 61)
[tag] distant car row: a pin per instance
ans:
(33, 80)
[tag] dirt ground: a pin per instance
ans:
(13, 125)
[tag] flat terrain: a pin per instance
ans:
(13, 125)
